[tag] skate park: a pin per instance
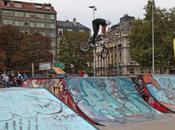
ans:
(87, 65)
(109, 102)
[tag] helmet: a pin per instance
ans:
(108, 22)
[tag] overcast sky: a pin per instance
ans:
(108, 9)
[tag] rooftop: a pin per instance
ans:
(27, 6)
(71, 24)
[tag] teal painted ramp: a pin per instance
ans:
(164, 93)
(37, 109)
(110, 100)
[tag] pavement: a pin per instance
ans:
(166, 123)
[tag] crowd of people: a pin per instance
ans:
(9, 79)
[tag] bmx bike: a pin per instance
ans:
(100, 41)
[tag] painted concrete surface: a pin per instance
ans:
(164, 92)
(110, 100)
(37, 109)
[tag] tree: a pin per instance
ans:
(71, 55)
(2, 59)
(141, 38)
(19, 50)
(10, 38)
(35, 48)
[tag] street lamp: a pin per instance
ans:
(94, 64)
(93, 9)
(54, 45)
(153, 5)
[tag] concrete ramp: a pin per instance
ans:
(58, 87)
(37, 109)
(158, 91)
(110, 100)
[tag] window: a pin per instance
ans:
(50, 16)
(32, 24)
(50, 26)
(70, 30)
(18, 5)
(40, 25)
(120, 46)
(8, 13)
(19, 14)
(60, 32)
(48, 7)
(52, 35)
(131, 70)
(120, 57)
(7, 22)
(19, 23)
(32, 15)
(27, 15)
(38, 6)
(39, 15)
(81, 30)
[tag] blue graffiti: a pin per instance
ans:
(109, 99)
(37, 109)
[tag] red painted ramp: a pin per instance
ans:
(158, 91)
(102, 100)
(58, 87)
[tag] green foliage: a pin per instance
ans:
(35, 48)
(71, 55)
(141, 38)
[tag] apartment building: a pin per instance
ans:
(118, 61)
(73, 25)
(30, 17)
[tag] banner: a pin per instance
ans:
(45, 66)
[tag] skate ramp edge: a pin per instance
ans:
(59, 88)
(158, 91)
(110, 100)
(24, 109)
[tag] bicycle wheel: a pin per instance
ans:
(84, 46)
(104, 52)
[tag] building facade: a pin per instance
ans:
(29, 18)
(73, 25)
(118, 61)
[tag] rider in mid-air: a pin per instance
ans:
(96, 25)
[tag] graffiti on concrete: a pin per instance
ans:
(167, 84)
(109, 99)
(165, 93)
(37, 109)
(55, 86)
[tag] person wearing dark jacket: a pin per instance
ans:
(96, 23)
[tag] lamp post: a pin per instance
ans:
(93, 9)
(94, 64)
(153, 5)
(54, 45)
